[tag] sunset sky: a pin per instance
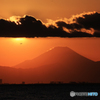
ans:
(47, 9)
(12, 52)
(41, 14)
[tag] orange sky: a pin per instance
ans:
(12, 52)
(47, 9)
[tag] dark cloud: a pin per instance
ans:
(97, 34)
(83, 25)
(90, 21)
(87, 21)
(56, 32)
(80, 34)
(62, 24)
(30, 27)
(7, 28)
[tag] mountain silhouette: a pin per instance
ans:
(58, 64)
(62, 55)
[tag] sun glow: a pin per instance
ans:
(19, 40)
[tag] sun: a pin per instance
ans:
(19, 40)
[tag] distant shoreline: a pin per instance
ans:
(56, 84)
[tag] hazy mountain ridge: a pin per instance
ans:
(58, 64)
(50, 57)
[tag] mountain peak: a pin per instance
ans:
(62, 55)
(60, 47)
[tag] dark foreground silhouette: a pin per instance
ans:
(47, 91)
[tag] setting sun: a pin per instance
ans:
(19, 39)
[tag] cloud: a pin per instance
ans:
(80, 25)
(90, 21)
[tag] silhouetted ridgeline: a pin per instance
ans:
(60, 64)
